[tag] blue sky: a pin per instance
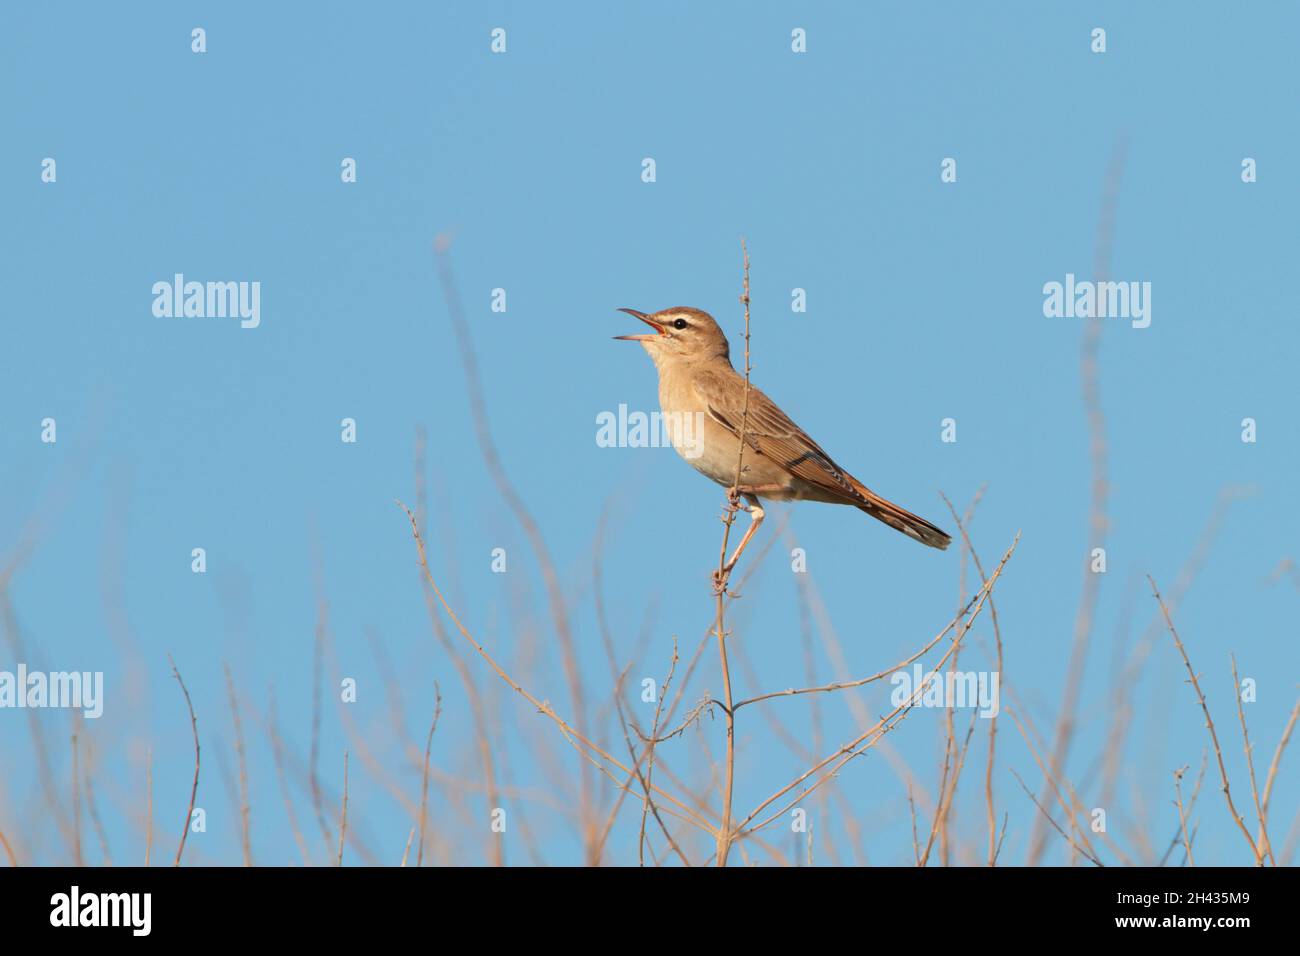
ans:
(924, 302)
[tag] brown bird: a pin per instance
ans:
(703, 401)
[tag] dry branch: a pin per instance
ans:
(194, 788)
(1209, 724)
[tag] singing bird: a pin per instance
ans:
(697, 383)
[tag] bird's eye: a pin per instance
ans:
(679, 324)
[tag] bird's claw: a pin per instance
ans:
(734, 502)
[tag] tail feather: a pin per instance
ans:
(902, 520)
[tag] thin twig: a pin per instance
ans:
(869, 738)
(1182, 817)
(1041, 809)
(916, 846)
(720, 589)
(194, 788)
(628, 723)
(244, 806)
(993, 722)
(92, 807)
(277, 755)
(1277, 759)
(424, 780)
(148, 817)
(1209, 724)
(1099, 491)
(76, 806)
(977, 598)
(588, 749)
(998, 850)
(1263, 842)
(648, 804)
(507, 490)
(1069, 806)
(1191, 807)
(343, 821)
(318, 656)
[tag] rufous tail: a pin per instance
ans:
(902, 520)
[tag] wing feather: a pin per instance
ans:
(771, 433)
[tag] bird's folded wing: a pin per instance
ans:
(770, 432)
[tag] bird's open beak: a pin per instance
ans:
(659, 329)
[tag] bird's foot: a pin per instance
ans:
(720, 580)
(734, 501)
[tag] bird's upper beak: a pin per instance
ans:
(657, 326)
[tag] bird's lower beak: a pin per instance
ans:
(659, 329)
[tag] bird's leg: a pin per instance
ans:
(756, 515)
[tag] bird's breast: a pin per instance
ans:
(708, 446)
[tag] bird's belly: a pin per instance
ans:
(702, 443)
(712, 450)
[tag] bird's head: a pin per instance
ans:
(680, 333)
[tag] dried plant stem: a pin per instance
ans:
(998, 850)
(477, 715)
(954, 758)
(977, 598)
(1182, 817)
(343, 818)
(1097, 520)
(697, 711)
(194, 787)
(724, 832)
(76, 806)
(1056, 826)
(507, 490)
(647, 804)
(857, 707)
(993, 841)
(815, 714)
(870, 737)
(916, 846)
(245, 829)
(9, 850)
(1068, 801)
(1123, 690)
(1277, 760)
(1265, 848)
(277, 754)
(958, 760)
(589, 750)
(92, 809)
(482, 737)
(1191, 806)
(1209, 724)
(50, 788)
(148, 816)
(313, 766)
(720, 590)
(424, 780)
(626, 721)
